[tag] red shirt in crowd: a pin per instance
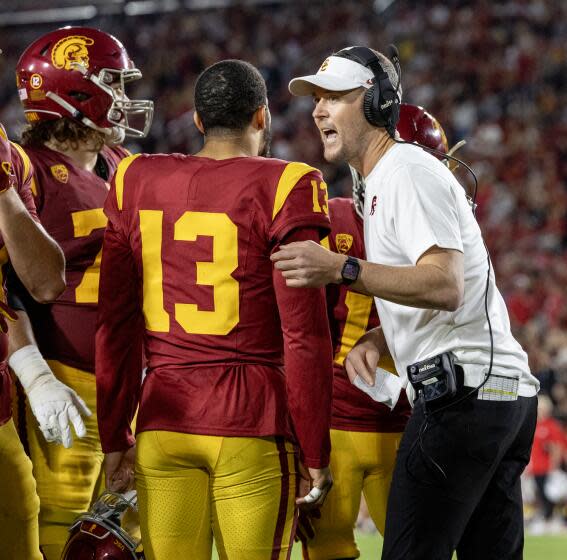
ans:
(548, 432)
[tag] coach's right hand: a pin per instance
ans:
(314, 486)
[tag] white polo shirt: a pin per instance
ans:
(412, 202)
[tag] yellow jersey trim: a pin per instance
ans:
(33, 186)
(119, 178)
(292, 173)
(25, 159)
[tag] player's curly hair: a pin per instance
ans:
(68, 132)
(227, 94)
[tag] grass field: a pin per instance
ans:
(548, 547)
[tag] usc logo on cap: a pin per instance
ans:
(70, 51)
(324, 66)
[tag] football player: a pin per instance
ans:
(186, 263)
(72, 86)
(40, 264)
(365, 434)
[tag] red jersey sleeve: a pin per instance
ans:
(119, 336)
(300, 200)
(24, 171)
(308, 360)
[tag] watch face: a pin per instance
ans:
(350, 270)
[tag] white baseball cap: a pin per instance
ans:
(336, 74)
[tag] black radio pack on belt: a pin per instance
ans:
(435, 378)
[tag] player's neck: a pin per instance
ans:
(84, 157)
(375, 150)
(226, 148)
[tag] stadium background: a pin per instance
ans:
(493, 73)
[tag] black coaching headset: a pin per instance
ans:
(382, 99)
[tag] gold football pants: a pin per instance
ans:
(67, 479)
(19, 504)
(239, 489)
(360, 462)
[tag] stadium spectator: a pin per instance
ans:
(548, 454)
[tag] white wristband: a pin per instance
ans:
(314, 495)
(28, 365)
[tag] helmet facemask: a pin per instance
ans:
(99, 530)
(132, 117)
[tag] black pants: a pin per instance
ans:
(475, 507)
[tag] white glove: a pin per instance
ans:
(54, 404)
(386, 388)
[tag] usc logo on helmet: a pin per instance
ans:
(71, 50)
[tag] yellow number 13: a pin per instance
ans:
(216, 273)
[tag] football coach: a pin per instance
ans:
(456, 485)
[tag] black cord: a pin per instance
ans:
(394, 56)
(430, 414)
(472, 198)
(391, 129)
(430, 463)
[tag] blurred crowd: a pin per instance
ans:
(493, 73)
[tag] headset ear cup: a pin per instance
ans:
(370, 112)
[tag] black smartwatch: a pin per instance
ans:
(350, 271)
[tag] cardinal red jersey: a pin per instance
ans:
(350, 316)
(188, 242)
(69, 203)
(548, 431)
(23, 171)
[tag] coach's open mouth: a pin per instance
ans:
(329, 135)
